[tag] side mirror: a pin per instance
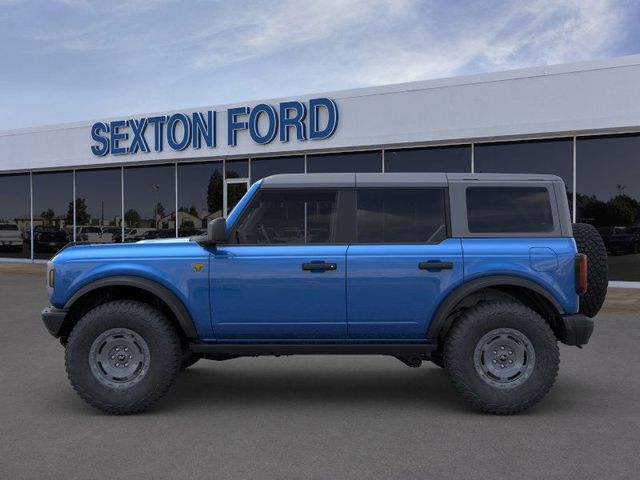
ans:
(217, 229)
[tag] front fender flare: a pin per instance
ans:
(456, 296)
(167, 296)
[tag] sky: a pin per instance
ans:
(73, 60)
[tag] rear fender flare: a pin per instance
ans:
(456, 296)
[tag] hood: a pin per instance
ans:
(160, 248)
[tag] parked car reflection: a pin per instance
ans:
(11, 237)
(49, 239)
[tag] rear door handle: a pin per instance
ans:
(319, 266)
(435, 265)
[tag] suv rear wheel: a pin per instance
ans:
(502, 357)
(122, 356)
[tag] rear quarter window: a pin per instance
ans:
(496, 209)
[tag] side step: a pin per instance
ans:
(259, 349)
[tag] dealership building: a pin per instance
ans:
(167, 174)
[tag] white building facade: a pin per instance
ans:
(123, 179)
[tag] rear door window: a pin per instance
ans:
(401, 215)
(496, 209)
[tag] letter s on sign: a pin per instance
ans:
(102, 148)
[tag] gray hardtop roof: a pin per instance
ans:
(409, 179)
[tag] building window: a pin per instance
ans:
(455, 158)
(200, 191)
(290, 216)
(237, 168)
(263, 167)
(345, 162)
(410, 215)
(149, 202)
(608, 197)
(52, 212)
(99, 205)
(15, 216)
(553, 157)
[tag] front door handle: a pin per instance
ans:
(435, 265)
(319, 266)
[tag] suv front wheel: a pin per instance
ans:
(122, 356)
(502, 357)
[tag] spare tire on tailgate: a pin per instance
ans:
(589, 242)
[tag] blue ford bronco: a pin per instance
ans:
(482, 274)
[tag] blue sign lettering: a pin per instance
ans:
(316, 119)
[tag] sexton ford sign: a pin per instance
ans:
(312, 120)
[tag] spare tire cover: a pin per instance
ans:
(589, 242)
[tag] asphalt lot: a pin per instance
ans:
(314, 417)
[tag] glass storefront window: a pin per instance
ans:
(52, 212)
(345, 162)
(608, 197)
(237, 168)
(99, 205)
(553, 157)
(455, 158)
(200, 191)
(263, 167)
(15, 216)
(149, 202)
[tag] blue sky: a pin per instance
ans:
(71, 60)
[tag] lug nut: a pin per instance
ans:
(502, 347)
(495, 352)
(117, 365)
(126, 364)
(495, 361)
(502, 365)
(510, 361)
(126, 349)
(113, 357)
(130, 356)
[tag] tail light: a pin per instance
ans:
(581, 274)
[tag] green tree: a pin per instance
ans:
(82, 216)
(159, 210)
(620, 211)
(132, 218)
(627, 202)
(215, 192)
(48, 215)
(193, 210)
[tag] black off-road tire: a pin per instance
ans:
(145, 325)
(188, 358)
(470, 330)
(589, 242)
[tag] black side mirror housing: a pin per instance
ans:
(217, 229)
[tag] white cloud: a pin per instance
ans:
(165, 54)
(542, 33)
